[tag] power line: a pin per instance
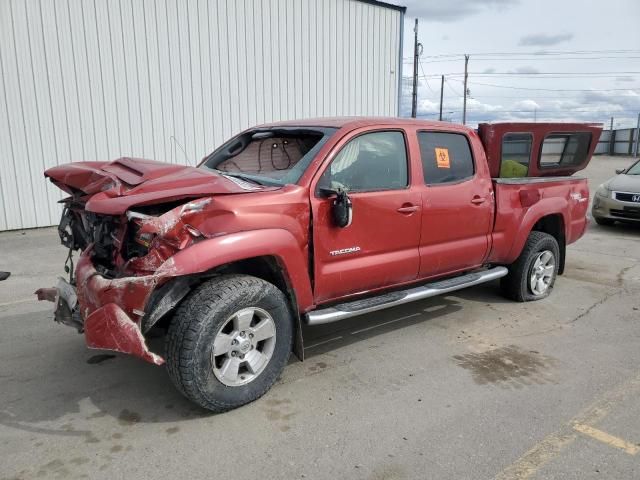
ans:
(514, 59)
(451, 88)
(552, 89)
(552, 74)
(539, 53)
(539, 75)
(550, 96)
(425, 76)
(525, 110)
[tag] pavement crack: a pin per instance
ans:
(593, 306)
(620, 280)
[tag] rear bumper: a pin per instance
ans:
(612, 209)
(109, 311)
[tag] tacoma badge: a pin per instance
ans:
(344, 251)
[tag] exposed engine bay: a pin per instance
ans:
(114, 239)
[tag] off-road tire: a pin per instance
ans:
(515, 285)
(195, 324)
(605, 222)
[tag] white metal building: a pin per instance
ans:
(171, 79)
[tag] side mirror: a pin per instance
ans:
(620, 170)
(342, 209)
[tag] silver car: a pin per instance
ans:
(618, 199)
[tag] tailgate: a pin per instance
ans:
(516, 150)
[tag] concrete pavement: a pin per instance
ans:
(467, 386)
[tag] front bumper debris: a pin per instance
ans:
(99, 307)
(110, 328)
(63, 295)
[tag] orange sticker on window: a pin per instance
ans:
(442, 157)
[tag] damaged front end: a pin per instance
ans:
(125, 260)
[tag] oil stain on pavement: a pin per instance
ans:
(508, 367)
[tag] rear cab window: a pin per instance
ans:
(446, 157)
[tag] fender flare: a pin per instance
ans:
(544, 208)
(214, 252)
(209, 254)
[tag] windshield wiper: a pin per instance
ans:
(241, 177)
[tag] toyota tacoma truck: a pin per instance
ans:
(309, 221)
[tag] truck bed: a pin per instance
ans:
(520, 202)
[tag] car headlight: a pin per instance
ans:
(603, 191)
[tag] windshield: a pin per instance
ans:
(269, 156)
(634, 169)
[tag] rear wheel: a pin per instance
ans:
(229, 341)
(533, 274)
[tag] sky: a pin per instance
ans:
(542, 60)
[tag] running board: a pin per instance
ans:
(386, 300)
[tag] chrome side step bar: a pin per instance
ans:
(386, 300)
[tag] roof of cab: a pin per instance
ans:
(358, 122)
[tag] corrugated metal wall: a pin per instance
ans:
(172, 79)
(623, 142)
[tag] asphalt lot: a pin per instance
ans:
(467, 386)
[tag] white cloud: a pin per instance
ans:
(527, 105)
(452, 10)
(543, 39)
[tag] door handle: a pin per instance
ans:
(477, 200)
(408, 209)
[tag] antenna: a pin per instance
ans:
(186, 157)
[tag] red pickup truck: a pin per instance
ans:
(309, 221)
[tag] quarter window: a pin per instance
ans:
(446, 157)
(373, 161)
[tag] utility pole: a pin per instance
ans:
(464, 105)
(442, 94)
(635, 148)
(535, 115)
(612, 139)
(414, 98)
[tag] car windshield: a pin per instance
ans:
(634, 169)
(269, 156)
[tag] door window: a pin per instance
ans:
(446, 157)
(373, 161)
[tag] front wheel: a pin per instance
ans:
(229, 341)
(532, 275)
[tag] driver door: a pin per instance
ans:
(380, 246)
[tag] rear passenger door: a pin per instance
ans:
(457, 199)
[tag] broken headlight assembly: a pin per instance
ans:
(172, 227)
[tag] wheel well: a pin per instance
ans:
(269, 269)
(554, 226)
(266, 268)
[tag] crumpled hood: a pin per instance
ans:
(114, 187)
(625, 183)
